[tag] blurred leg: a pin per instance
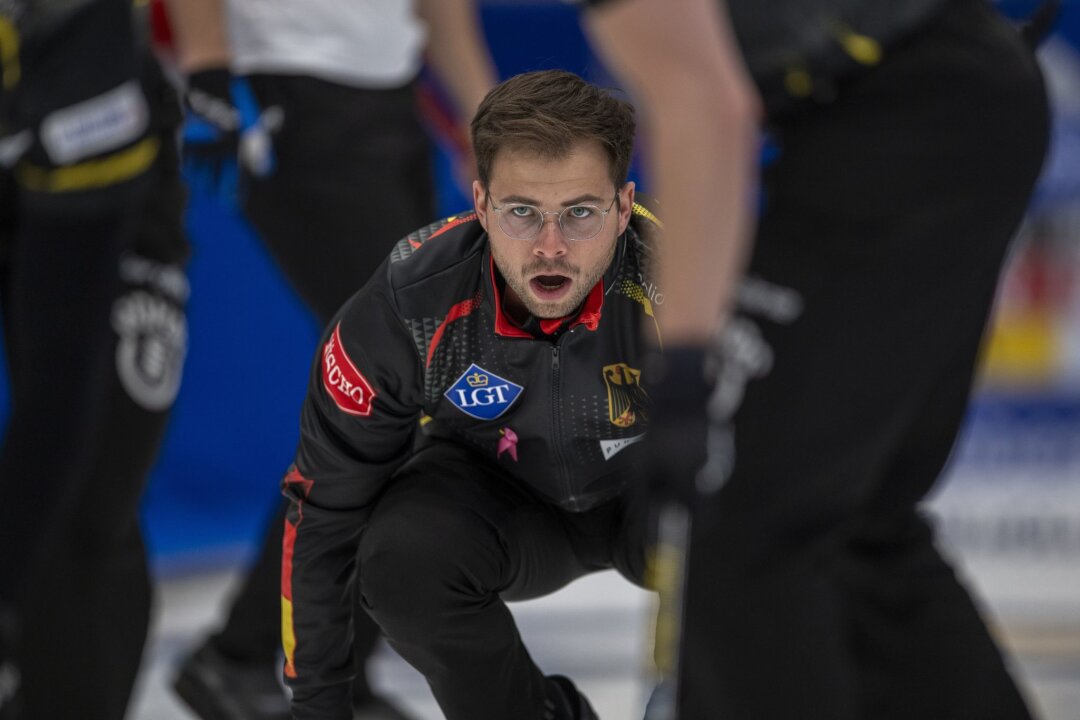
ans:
(892, 250)
(88, 600)
(354, 177)
(917, 638)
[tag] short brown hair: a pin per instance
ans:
(548, 112)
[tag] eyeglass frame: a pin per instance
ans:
(559, 214)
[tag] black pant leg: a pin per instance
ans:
(354, 176)
(448, 541)
(87, 626)
(88, 600)
(873, 272)
(62, 283)
(914, 630)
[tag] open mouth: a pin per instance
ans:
(549, 286)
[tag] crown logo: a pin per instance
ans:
(477, 380)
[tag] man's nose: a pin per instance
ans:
(550, 241)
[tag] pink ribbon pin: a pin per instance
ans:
(507, 443)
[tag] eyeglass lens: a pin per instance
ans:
(578, 222)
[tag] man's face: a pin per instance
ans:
(550, 274)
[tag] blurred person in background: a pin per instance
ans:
(910, 135)
(93, 295)
(317, 100)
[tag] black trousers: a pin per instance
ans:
(815, 588)
(450, 540)
(96, 337)
(353, 177)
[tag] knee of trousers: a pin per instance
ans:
(417, 566)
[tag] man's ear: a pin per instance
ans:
(479, 198)
(626, 206)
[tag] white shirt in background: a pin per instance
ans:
(366, 43)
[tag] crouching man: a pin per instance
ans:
(473, 418)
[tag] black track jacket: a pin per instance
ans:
(425, 343)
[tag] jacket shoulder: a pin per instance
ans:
(437, 265)
(437, 245)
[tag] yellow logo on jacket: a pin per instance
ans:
(626, 398)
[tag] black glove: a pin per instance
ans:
(223, 124)
(211, 134)
(678, 424)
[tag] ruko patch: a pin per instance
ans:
(350, 390)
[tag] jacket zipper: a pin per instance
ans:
(556, 428)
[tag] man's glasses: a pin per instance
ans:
(577, 222)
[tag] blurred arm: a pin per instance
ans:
(201, 34)
(457, 51)
(681, 62)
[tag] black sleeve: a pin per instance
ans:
(362, 407)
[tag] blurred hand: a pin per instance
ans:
(224, 126)
(211, 133)
(678, 426)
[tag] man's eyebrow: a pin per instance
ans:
(586, 198)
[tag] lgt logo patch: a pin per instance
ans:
(351, 391)
(482, 394)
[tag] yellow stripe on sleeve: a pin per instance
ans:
(288, 637)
